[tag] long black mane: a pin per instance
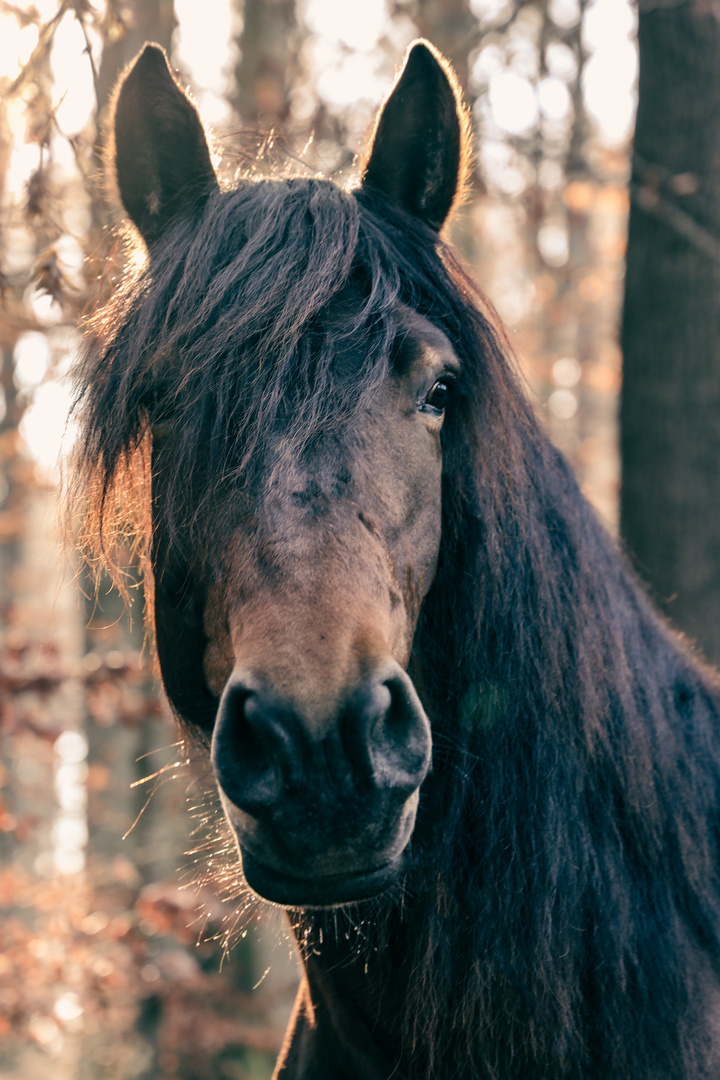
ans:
(573, 807)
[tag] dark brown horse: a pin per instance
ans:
(433, 695)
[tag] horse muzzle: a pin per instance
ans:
(322, 813)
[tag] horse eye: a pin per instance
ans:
(438, 396)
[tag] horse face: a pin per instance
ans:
(321, 743)
(290, 641)
(303, 626)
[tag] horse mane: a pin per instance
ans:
(575, 803)
(575, 782)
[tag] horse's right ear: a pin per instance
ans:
(420, 151)
(159, 150)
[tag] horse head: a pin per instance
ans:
(286, 608)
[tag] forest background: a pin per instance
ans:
(115, 930)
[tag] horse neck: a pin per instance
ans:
(384, 989)
(354, 970)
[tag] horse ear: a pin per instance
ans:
(159, 152)
(420, 148)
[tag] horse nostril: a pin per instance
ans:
(387, 734)
(401, 743)
(247, 749)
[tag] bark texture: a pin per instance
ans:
(670, 409)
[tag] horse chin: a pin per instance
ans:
(327, 891)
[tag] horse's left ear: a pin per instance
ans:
(159, 150)
(420, 147)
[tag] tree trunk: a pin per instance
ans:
(670, 408)
(267, 65)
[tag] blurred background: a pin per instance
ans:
(115, 918)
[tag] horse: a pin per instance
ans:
(450, 734)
